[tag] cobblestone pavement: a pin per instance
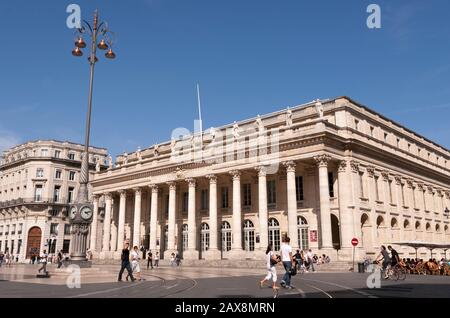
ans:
(188, 282)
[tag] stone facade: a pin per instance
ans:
(321, 173)
(38, 180)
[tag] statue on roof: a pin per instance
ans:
(289, 117)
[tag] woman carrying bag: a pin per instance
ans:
(272, 261)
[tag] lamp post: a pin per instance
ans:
(82, 211)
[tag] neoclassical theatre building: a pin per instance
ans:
(321, 173)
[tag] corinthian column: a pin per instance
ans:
(171, 220)
(213, 252)
(325, 215)
(291, 203)
(137, 217)
(262, 206)
(107, 223)
(121, 229)
(153, 218)
(237, 214)
(191, 253)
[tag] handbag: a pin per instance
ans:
(273, 262)
(293, 271)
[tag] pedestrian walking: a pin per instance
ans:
(149, 259)
(310, 258)
(288, 262)
(44, 258)
(7, 259)
(135, 264)
(125, 262)
(2, 256)
(271, 262)
(59, 259)
(157, 259)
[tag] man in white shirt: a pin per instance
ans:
(288, 262)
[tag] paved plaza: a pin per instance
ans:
(19, 281)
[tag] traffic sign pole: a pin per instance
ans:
(354, 243)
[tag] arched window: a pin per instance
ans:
(185, 235)
(364, 219)
(380, 221)
(406, 224)
(446, 228)
(394, 223)
(274, 234)
(417, 225)
(226, 236)
(204, 237)
(249, 235)
(428, 227)
(438, 228)
(302, 231)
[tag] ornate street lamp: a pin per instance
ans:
(82, 211)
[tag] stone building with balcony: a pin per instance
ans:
(38, 180)
(322, 173)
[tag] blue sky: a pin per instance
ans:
(249, 56)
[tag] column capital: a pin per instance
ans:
(236, 174)
(95, 197)
(172, 185)
(212, 178)
(410, 183)
(354, 166)
(154, 188)
(137, 191)
(191, 182)
(262, 171)
(430, 189)
(398, 179)
(322, 160)
(421, 186)
(289, 165)
(370, 171)
(108, 195)
(385, 175)
(123, 193)
(342, 167)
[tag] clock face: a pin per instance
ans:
(73, 212)
(86, 212)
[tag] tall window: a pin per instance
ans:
(58, 174)
(390, 192)
(72, 176)
(249, 236)
(19, 245)
(66, 229)
(331, 184)
(371, 131)
(71, 156)
(167, 205)
(274, 234)
(66, 244)
(361, 185)
(356, 124)
(247, 189)
(70, 195)
(54, 229)
(56, 193)
(402, 189)
(302, 230)
(224, 197)
(44, 152)
(299, 188)
(38, 193)
(57, 154)
(204, 199)
(184, 206)
(166, 237)
(271, 192)
(39, 173)
(204, 237)
(377, 193)
(185, 236)
(226, 236)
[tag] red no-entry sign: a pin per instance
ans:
(354, 241)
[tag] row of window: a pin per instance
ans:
(249, 238)
(38, 193)
(11, 227)
(247, 194)
(54, 229)
(401, 144)
(10, 248)
(58, 174)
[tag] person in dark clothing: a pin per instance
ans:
(150, 259)
(395, 259)
(59, 259)
(125, 257)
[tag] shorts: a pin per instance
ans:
(272, 273)
(135, 267)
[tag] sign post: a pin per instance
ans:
(354, 243)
